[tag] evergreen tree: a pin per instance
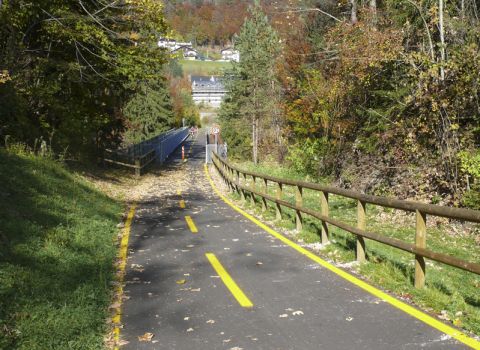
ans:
(149, 112)
(252, 84)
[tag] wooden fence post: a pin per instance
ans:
(244, 198)
(265, 190)
(420, 242)
(227, 178)
(361, 224)
(253, 186)
(278, 208)
(231, 176)
(299, 204)
(138, 169)
(324, 212)
(238, 181)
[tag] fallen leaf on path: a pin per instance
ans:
(296, 313)
(210, 321)
(122, 342)
(349, 319)
(259, 263)
(195, 290)
(283, 315)
(181, 281)
(114, 306)
(146, 337)
(190, 330)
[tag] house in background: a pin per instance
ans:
(173, 45)
(188, 52)
(230, 54)
(208, 90)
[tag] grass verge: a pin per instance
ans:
(450, 293)
(204, 68)
(56, 256)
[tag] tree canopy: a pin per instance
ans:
(375, 89)
(69, 68)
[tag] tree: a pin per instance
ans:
(72, 65)
(148, 112)
(253, 88)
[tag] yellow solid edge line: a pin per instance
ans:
(182, 204)
(228, 281)
(122, 255)
(191, 224)
(429, 320)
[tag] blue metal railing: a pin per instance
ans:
(161, 146)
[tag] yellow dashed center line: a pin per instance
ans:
(228, 281)
(182, 204)
(191, 224)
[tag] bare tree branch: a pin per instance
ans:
(296, 10)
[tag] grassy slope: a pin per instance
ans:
(204, 68)
(448, 289)
(56, 256)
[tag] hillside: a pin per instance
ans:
(56, 256)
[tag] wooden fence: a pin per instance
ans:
(140, 163)
(236, 179)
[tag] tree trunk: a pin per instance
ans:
(373, 10)
(354, 18)
(254, 140)
(442, 39)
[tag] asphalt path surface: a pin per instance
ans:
(174, 292)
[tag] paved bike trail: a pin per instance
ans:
(174, 293)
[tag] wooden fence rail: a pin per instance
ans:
(139, 165)
(232, 176)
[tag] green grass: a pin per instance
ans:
(56, 256)
(204, 68)
(447, 288)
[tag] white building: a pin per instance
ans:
(208, 90)
(172, 45)
(189, 53)
(229, 54)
